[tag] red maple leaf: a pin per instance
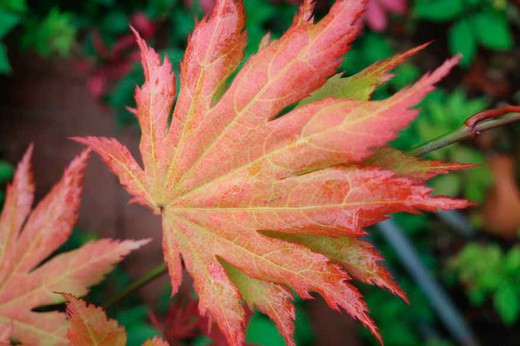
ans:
(255, 203)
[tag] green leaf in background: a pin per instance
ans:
(405, 75)
(5, 67)
(506, 302)
(115, 22)
(137, 325)
(54, 34)
(492, 30)
(156, 8)
(8, 20)
(438, 10)
(262, 331)
(14, 5)
(6, 169)
(489, 272)
(461, 39)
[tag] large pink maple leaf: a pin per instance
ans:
(257, 204)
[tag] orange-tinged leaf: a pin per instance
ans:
(30, 237)
(358, 257)
(89, 325)
(256, 204)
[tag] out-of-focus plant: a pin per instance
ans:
(51, 33)
(378, 12)
(417, 325)
(54, 34)
(180, 322)
(11, 12)
(115, 62)
(488, 272)
(474, 23)
(442, 112)
(6, 174)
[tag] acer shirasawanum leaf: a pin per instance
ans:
(256, 204)
(28, 238)
(89, 325)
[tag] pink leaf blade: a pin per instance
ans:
(281, 74)
(214, 51)
(271, 299)
(305, 13)
(31, 328)
(51, 222)
(6, 330)
(344, 200)
(266, 259)
(359, 258)
(321, 134)
(172, 257)
(73, 272)
(122, 163)
(219, 298)
(154, 103)
(17, 207)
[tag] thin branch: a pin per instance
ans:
(470, 129)
(137, 284)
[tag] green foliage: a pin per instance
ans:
(262, 331)
(444, 112)
(488, 272)
(474, 23)
(418, 316)
(55, 34)
(6, 174)
(11, 12)
(136, 322)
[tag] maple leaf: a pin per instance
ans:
(255, 203)
(89, 325)
(28, 238)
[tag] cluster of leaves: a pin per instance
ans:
(474, 23)
(52, 32)
(11, 12)
(489, 272)
(28, 277)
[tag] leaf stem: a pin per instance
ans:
(148, 277)
(464, 132)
